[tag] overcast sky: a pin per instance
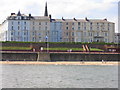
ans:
(93, 9)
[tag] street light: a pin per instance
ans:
(47, 44)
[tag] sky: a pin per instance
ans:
(79, 9)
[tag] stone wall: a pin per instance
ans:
(59, 57)
(19, 56)
(83, 57)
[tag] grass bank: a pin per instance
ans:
(15, 48)
(74, 49)
(59, 48)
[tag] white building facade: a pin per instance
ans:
(28, 28)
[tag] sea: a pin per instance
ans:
(59, 76)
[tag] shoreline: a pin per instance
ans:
(60, 63)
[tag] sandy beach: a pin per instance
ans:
(60, 63)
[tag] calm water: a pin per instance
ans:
(59, 76)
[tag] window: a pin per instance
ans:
(39, 33)
(33, 28)
(25, 28)
(72, 28)
(84, 33)
(18, 23)
(78, 28)
(46, 33)
(24, 38)
(91, 23)
(72, 33)
(78, 33)
(97, 33)
(11, 38)
(106, 34)
(33, 39)
(12, 28)
(72, 39)
(11, 33)
(33, 33)
(66, 28)
(106, 40)
(24, 33)
(18, 33)
(25, 23)
(67, 23)
(45, 23)
(45, 28)
(84, 23)
(39, 38)
(97, 28)
(78, 23)
(33, 23)
(67, 34)
(18, 28)
(39, 23)
(12, 23)
(39, 28)
(72, 23)
(90, 34)
(84, 28)
(90, 28)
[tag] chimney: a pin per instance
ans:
(86, 19)
(63, 19)
(75, 19)
(12, 13)
(29, 15)
(50, 16)
(105, 19)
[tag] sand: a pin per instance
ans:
(60, 63)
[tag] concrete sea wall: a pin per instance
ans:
(19, 56)
(83, 57)
(58, 57)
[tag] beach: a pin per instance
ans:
(62, 62)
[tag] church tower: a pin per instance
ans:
(46, 11)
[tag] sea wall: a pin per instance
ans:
(58, 57)
(19, 56)
(83, 57)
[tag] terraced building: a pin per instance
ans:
(21, 27)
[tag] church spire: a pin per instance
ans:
(19, 14)
(46, 11)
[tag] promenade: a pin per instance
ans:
(60, 63)
(60, 52)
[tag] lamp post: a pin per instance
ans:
(47, 44)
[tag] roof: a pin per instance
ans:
(41, 17)
(81, 20)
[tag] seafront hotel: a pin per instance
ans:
(21, 27)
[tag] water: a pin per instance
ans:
(59, 76)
